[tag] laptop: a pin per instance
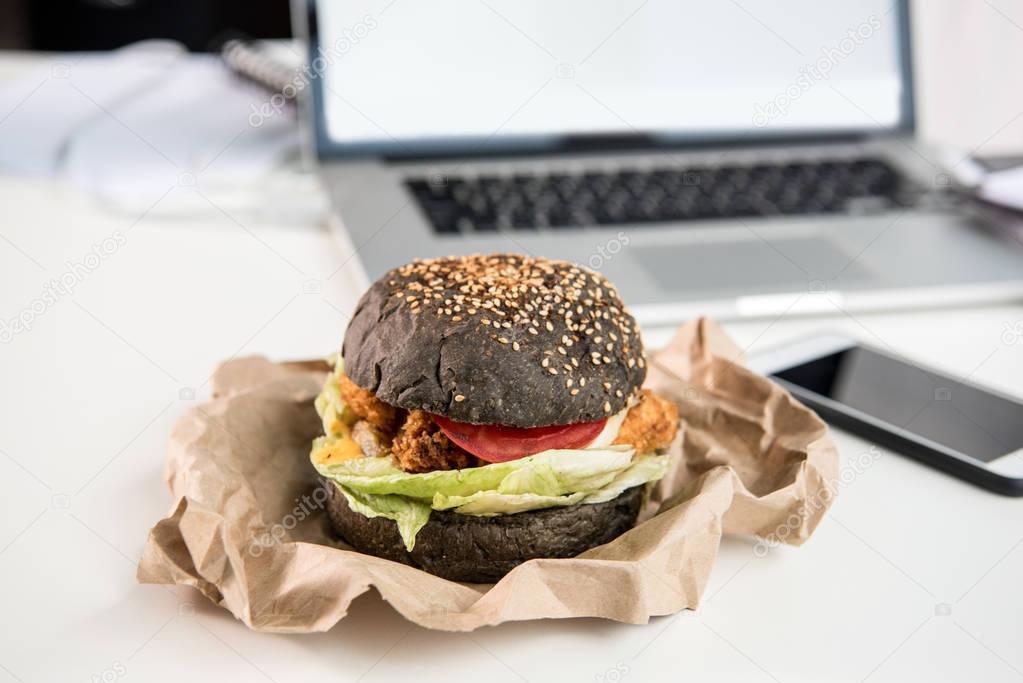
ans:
(726, 159)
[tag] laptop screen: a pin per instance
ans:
(408, 77)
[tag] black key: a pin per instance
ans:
(598, 183)
(494, 188)
(634, 181)
(442, 214)
(461, 193)
(444, 226)
(523, 220)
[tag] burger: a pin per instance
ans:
(487, 410)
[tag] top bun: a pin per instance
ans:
(496, 339)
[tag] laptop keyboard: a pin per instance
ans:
(659, 195)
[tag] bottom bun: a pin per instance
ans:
(483, 549)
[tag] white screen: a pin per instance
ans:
(406, 71)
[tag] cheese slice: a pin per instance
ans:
(612, 427)
(337, 448)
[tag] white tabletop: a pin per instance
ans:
(912, 575)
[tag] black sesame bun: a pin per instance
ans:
(496, 339)
(483, 549)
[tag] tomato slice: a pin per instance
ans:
(498, 443)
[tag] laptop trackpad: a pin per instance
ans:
(790, 263)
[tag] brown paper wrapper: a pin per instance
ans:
(749, 460)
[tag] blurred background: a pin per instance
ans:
(961, 49)
(167, 203)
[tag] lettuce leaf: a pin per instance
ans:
(410, 515)
(333, 411)
(643, 469)
(552, 473)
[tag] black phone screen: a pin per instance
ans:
(965, 419)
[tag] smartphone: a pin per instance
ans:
(963, 429)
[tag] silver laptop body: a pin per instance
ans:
(401, 134)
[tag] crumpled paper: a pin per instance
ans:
(247, 528)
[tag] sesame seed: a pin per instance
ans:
(459, 398)
(503, 340)
(618, 393)
(568, 382)
(582, 381)
(607, 407)
(553, 371)
(545, 362)
(515, 345)
(574, 392)
(550, 327)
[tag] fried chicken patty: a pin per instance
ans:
(368, 407)
(421, 446)
(650, 424)
(414, 440)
